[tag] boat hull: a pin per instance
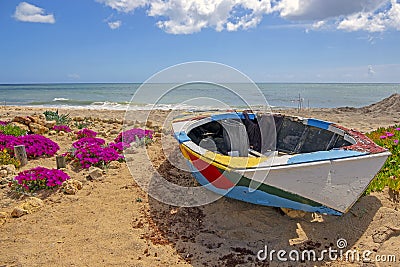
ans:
(328, 182)
(265, 195)
(337, 184)
(332, 186)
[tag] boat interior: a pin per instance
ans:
(260, 135)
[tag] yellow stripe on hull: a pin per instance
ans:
(222, 161)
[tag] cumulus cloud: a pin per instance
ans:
(377, 21)
(30, 13)
(190, 16)
(114, 24)
(124, 5)
(323, 9)
(363, 21)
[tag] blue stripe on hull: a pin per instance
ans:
(324, 155)
(259, 197)
(232, 115)
(318, 123)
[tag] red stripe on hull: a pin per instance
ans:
(211, 173)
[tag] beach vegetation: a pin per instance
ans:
(85, 133)
(64, 128)
(61, 119)
(138, 136)
(389, 175)
(6, 158)
(9, 129)
(90, 151)
(35, 145)
(38, 178)
(82, 124)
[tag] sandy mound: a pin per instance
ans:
(390, 104)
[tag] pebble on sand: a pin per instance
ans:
(31, 205)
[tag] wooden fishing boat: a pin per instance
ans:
(277, 160)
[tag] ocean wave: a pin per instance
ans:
(119, 106)
(60, 99)
(109, 105)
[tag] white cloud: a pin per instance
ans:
(394, 15)
(190, 16)
(30, 13)
(124, 5)
(323, 9)
(371, 71)
(377, 21)
(114, 24)
(363, 21)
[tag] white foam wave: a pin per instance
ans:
(60, 99)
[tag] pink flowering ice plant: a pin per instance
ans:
(134, 135)
(85, 133)
(39, 178)
(88, 141)
(36, 145)
(92, 151)
(64, 128)
(389, 134)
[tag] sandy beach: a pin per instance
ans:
(113, 222)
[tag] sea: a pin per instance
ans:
(120, 96)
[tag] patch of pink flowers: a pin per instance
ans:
(120, 146)
(389, 134)
(88, 141)
(92, 151)
(96, 155)
(8, 141)
(4, 123)
(64, 128)
(85, 133)
(40, 178)
(35, 145)
(133, 135)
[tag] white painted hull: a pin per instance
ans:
(336, 184)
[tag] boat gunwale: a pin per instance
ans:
(297, 164)
(362, 143)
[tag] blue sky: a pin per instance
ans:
(47, 41)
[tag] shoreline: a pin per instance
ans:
(350, 117)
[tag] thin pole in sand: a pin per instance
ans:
(300, 103)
